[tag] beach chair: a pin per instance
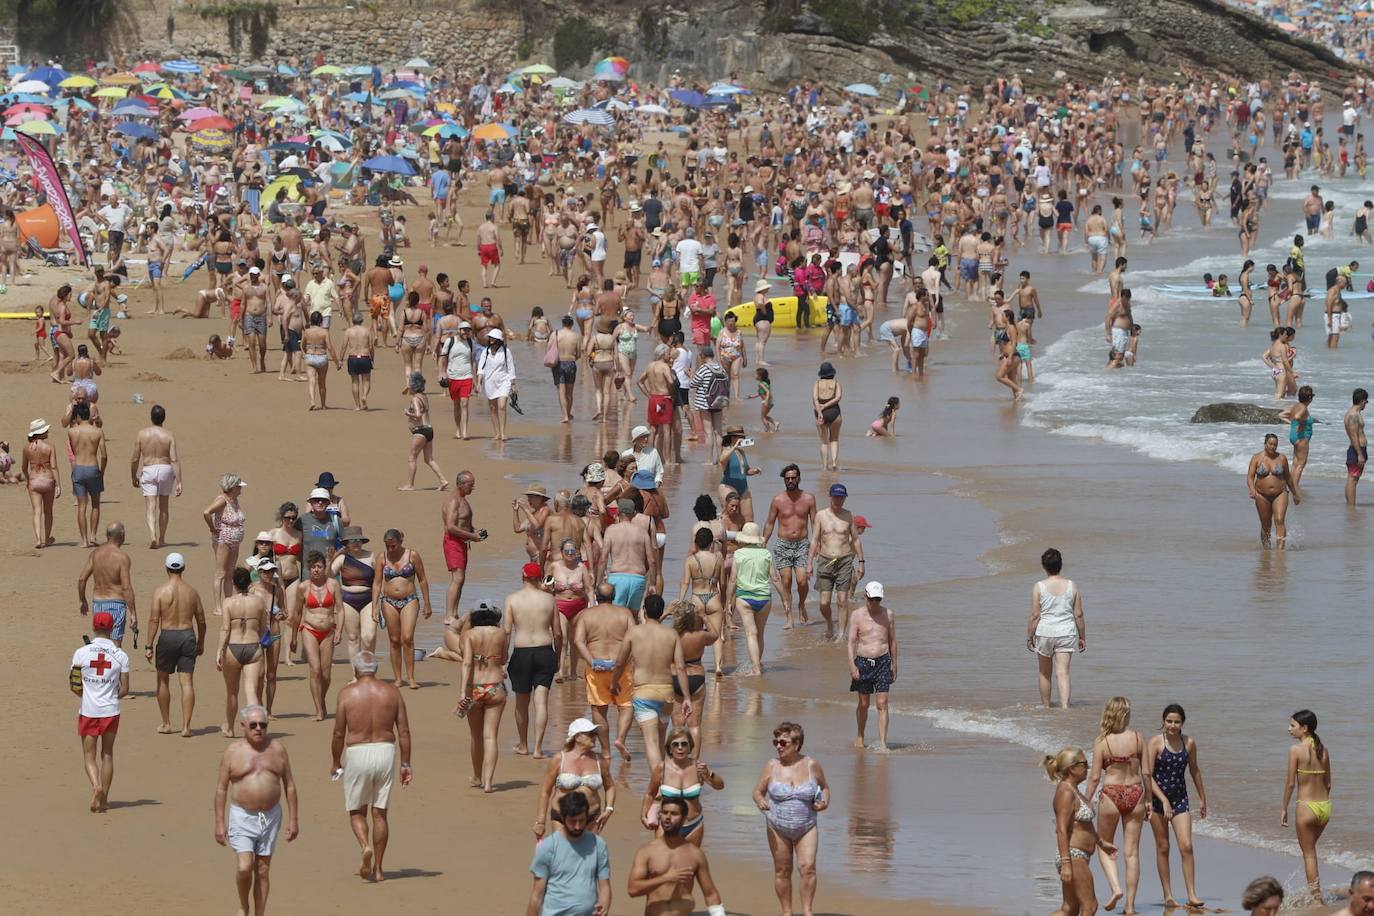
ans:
(53, 257)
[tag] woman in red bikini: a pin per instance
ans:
(572, 584)
(317, 621)
(1119, 768)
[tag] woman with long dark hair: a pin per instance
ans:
(1309, 772)
(1170, 757)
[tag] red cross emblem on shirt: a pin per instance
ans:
(101, 665)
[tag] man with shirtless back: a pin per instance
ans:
(377, 280)
(665, 869)
(658, 383)
(173, 646)
(496, 192)
(629, 556)
(156, 469)
(529, 620)
(632, 233)
(458, 537)
(89, 457)
(834, 555)
(113, 591)
(567, 341)
(369, 723)
(656, 653)
(520, 223)
(489, 250)
(872, 650)
(794, 512)
(359, 346)
(1357, 453)
(1118, 329)
(254, 772)
(598, 634)
(255, 319)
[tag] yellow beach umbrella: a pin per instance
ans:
(120, 79)
(448, 107)
(37, 128)
(77, 82)
(327, 70)
(489, 132)
(111, 92)
(290, 182)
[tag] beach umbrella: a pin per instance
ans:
(597, 116)
(78, 82)
(211, 141)
(327, 70)
(23, 117)
(727, 89)
(320, 134)
(129, 108)
(289, 146)
(111, 92)
(508, 89)
(538, 70)
(617, 65)
(242, 76)
(861, 89)
(134, 129)
(282, 103)
(651, 109)
(491, 132)
(393, 164)
(688, 97)
(445, 131)
(287, 70)
(195, 114)
(23, 107)
(391, 94)
(258, 70)
(331, 143)
(216, 123)
(39, 128)
(146, 67)
(290, 182)
(180, 66)
(614, 105)
(120, 79)
(357, 70)
(81, 103)
(50, 75)
(418, 63)
(28, 85)
(562, 82)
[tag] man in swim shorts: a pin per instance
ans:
(598, 633)
(254, 773)
(630, 555)
(833, 556)
(1357, 453)
(112, 591)
(370, 725)
(659, 385)
(530, 621)
(458, 537)
(156, 471)
(656, 652)
(176, 610)
(489, 249)
(794, 512)
(872, 649)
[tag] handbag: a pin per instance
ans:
(551, 354)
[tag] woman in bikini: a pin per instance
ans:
(318, 615)
(1270, 480)
(703, 570)
(600, 352)
(825, 402)
(577, 768)
(224, 518)
(286, 545)
(695, 635)
(319, 352)
(582, 305)
(572, 584)
(1309, 772)
(39, 467)
(398, 588)
(1074, 832)
(482, 691)
(243, 632)
(9, 245)
(1119, 767)
(267, 587)
(356, 568)
(1245, 295)
(414, 339)
(1171, 757)
(421, 432)
(1275, 357)
(550, 233)
(680, 774)
(734, 269)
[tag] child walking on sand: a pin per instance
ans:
(41, 350)
(886, 424)
(765, 396)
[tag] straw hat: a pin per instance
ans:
(38, 428)
(749, 534)
(761, 286)
(537, 489)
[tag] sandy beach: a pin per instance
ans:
(1182, 607)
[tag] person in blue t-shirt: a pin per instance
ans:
(572, 866)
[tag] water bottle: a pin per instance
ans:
(138, 398)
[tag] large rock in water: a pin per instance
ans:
(1233, 412)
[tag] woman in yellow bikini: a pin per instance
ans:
(1309, 771)
(483, 690)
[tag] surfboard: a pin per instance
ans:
(784, 312)
(28, 315)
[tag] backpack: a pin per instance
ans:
(718, 391)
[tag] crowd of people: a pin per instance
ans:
(833, 210)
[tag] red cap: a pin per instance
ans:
(102, 620)
(861, 522)
(532, 571)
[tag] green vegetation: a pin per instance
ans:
(51, 26)
(854, 21)
(576, 41)
(238, 9)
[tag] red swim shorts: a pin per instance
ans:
(88, 727)
(459, 388)
(489, 254)
(660, 409)
(455, 552)
(235, 309)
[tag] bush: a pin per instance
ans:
(576, 41)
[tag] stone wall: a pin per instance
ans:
(468, 32)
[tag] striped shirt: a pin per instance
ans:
(702, 380)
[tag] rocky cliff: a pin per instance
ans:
(767, 43)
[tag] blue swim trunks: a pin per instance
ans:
(629, 589)
(497, 196)
(118, 609)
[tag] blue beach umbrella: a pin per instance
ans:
(180, 66)
(393, 164)
(861, 89)
(134, 129)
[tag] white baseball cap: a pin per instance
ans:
(175, 562)
(873, 590)
(580, 727)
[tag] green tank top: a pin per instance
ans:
(753, 566)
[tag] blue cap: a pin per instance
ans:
(838, 489)
(643, 480)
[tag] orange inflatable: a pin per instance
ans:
(40, 224)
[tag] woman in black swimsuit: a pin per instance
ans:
(825, 401)
(695, 635)
(421, 432)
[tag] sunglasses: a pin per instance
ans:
(262, 725)
(679, 744)
(781, 742)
